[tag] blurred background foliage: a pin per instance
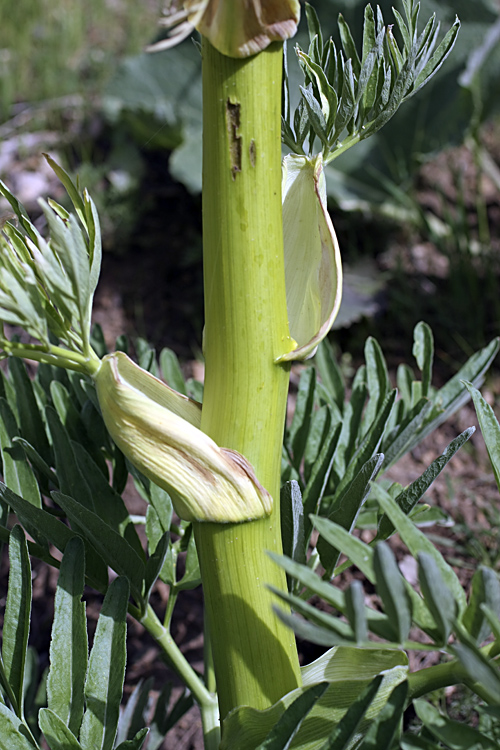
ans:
(416, 206)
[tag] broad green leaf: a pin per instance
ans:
(301, 421)
(454, 394)
(113, 548)
(345, 512)
(69, 646)
(58, 534)
(377, 379)
(292, 522)
(340, 738)
(104, 683)
(490, 429)
(287, 725)
(71, 480)
(71, 419)
(132, 715)
(17, 473)
(37, 461)
(192, 575)
(362, 556)
(478, 667)
(16, 625)
(386, 725)
(368, 446)
(423, 351)
(352, 417)
(154, 564)
(485, 590)
(403, 437)
(323, 619)
(108, 503)
(69, 186)
(357, 551)
(13, 732)
(171, 371)
(412, 742)
(320, 473)
(136, 742)
(391, 588)
(30, 420)
(355, 610)
(437, 595)
(349, 671)
(409, 497)
(55, 731)
(417, 542)
(377, 622)
(155, 530)
(456, 735)
(330, 373)
(319, 430)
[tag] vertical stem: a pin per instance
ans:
(246, 327)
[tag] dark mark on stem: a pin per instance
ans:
(253, 152)
(233, 125)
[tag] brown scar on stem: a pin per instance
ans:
(252, 152)
(233, 126)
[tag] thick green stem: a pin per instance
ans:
(246, 328)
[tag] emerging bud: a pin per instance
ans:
(158, 431)
(313, 267)
(237, 28)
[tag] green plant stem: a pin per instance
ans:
(207, 701)
(53, 355)
(442, 675)
(246, 328)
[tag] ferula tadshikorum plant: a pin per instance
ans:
(273, 280)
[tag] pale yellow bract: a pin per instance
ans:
(313, 267)
(157, 429)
